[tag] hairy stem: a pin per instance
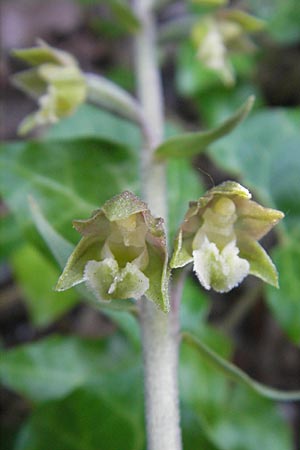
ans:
(159, 330)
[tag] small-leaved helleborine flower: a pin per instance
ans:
(122, 253)
(220, 235)
(218, 36)
(55, 82)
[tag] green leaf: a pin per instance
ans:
(236, 374)
(44, 304)
(194, 308)
(89, 121)
(69, 179)
(54, 367)
(125, 15)
(107, 94)
(191, 144)
(10, 235)
(285, 302)
(248, 421)
(99, 423)
(264, 154)
(282, 18)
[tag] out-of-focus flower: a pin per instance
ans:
(218, 36)
(122, 253)
(55, 82)
(220, 235)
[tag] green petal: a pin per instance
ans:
(261, 264)
(88, 249)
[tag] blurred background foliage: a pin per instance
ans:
(71, 374)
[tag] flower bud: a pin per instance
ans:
(122, 253)
(55, 82)
(220, 236)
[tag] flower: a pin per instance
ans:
(55, 82)
(217, 36)
(220, 235)
(122, 253)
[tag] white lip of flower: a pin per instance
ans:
(216, 261)
(221, 270)
(109, 276)
(212, 49)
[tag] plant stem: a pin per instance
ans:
(159, 330)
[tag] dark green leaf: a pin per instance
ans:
(191, 144)
(86, 420)
(285, 302)
(232, 416)
(282, 18)
(125, 15)
(44, 304)
(54, 367)
(10, 235)
(236, 374)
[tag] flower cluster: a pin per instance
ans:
(122, 253)
(54, 80)
(220, 236)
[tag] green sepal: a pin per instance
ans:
(158, 274)
(44, 53)
(254, 220)
(30, 82)
(191, 144)
(249, 23)
(182, 254)
(122, 206)
(261, 264)
(88, 249)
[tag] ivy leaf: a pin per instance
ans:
(285, 302)
(68, 178)
(54, 367)
(52, 424)
(249, 420)
(44, 304)
(236, 374)
(191, 144)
